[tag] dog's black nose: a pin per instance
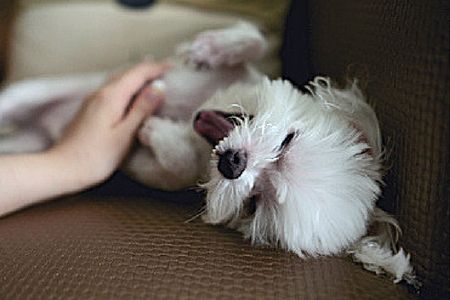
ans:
(232, 163)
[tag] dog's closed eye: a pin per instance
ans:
(287, 140)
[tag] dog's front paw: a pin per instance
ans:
(170, 142)
(227, 47)
(145, 133)
(158, 132)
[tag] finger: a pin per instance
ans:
(146, 103)
(129, 84)
(120, 71)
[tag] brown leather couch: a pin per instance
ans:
(122, 241)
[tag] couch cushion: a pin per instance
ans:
(141, 248)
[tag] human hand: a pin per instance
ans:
(99, 137)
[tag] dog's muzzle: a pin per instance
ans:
(232, 163)
(214, 126)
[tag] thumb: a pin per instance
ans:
(145, 104)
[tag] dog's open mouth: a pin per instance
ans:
(215, 125)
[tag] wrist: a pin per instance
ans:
(75, 172)
(26, 179)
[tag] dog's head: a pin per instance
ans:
(292, 169)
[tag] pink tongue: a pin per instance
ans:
(212, 125)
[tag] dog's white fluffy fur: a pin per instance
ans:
(313, 160)
(316, 195)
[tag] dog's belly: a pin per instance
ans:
(171, 156)
(187, 88)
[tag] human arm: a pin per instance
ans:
(92, 147)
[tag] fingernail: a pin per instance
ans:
(151, 96)
(154, 99)
(158, 86)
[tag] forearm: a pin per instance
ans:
(92, 147)
(31, 178)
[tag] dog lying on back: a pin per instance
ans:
(41, 108)
(297, 170)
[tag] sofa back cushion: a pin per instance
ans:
(400, 52)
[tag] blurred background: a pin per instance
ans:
(6, 13)
(54, 37)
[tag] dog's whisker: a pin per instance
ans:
(197, 215)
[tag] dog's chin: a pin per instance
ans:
(228, 200)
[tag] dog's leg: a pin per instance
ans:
(33, 113)
(20, 101)
(24, 141)
(173, 159)
(227, 47)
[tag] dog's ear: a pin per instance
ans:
(352, 103)
(363, 138)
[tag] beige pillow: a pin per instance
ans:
(60, 37)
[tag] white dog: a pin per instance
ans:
(286, 168)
